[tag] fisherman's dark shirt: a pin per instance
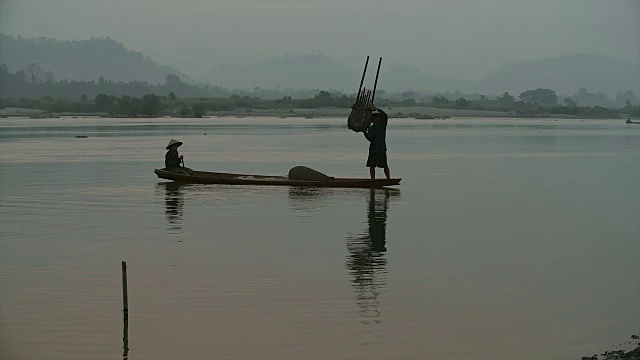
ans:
(172, 159)
(377, 134)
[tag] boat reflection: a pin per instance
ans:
(307, 198)
(366, 261)
(173, 205)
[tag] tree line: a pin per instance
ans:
(33, 88)
(154, 105)
(33, 81)
(537, 102)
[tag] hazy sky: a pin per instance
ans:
(466, 39)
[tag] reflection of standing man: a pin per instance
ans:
(366, 261)
(377, 221)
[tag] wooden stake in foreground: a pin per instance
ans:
(125, 312)
(125, 301)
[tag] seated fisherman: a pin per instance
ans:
(173, 161)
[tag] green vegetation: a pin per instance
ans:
(152, 105)
(535, 103)
(34, 82)
(539, 96)
(32, 88)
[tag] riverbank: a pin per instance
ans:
(425, 112)
(620, 354)
(401, 112)
(418, 112)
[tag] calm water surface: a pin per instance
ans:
(508, 239)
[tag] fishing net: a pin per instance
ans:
(359, 119)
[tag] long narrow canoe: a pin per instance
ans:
(203, 177)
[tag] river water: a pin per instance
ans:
(507, 239)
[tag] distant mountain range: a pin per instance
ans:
(308, 71)
(318, 71)
(83, 60)
(565, 75)
(90, 59)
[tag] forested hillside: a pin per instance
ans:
(82, 60)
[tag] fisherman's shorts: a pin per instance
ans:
(377, 159)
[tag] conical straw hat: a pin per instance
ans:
(174, 142)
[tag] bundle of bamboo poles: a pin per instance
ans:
(361, 117)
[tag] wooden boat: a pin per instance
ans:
(204, 177)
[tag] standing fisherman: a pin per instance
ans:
(376, 133)
(173, 161)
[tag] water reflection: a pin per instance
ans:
(305, 200)
(366, 261)
(125, 337)
(173, 205)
